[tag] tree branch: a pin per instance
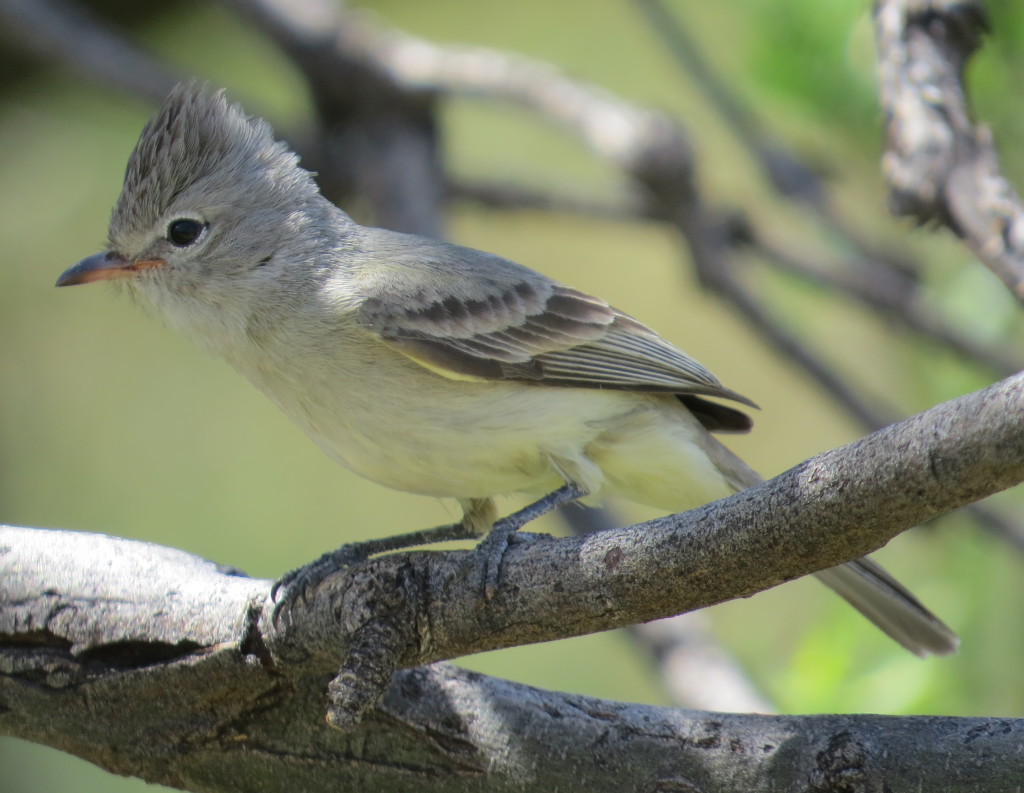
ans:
(218, 717)
(878, 290)
(695, 669)
(149, 661)
(941, 166)
(53, 30)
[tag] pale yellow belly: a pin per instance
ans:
(422, 433)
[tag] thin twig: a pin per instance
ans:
(501, 195)
(880, 294)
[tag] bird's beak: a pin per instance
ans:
(104, 267)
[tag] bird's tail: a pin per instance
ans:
(866, 586)
(675, 464)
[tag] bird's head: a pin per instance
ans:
(209, 200)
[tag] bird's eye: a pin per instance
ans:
(184, 231)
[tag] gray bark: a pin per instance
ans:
(940, 164)
(149, 661)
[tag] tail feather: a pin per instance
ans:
(683, 465)
(866, 586)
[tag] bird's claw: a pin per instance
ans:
(505, 532)
(493, 547)
(291, 588)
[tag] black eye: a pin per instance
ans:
(184, 231)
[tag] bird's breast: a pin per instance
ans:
(401, 425)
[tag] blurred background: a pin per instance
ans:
(111, 423)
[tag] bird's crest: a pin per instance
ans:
(197, 137)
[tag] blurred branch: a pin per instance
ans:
(378, 138)
(789, 175)
(940, 165)
(502, 195)
(714, 262)
(875, 289)
(696, 669)
(998, 524)
(54, 30)
(611, 127)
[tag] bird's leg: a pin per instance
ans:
(503, 531)
(292, 585)
(479, 514)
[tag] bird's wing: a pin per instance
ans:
(470, 315)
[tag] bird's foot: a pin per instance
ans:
(504, 532)
(292, 587)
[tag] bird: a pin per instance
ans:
(421, 365)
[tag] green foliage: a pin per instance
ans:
(815, 57)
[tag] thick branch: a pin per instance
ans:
(89, 671)
(835, 507)
(695, 669)
(90, 627)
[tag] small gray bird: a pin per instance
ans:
(424, 366)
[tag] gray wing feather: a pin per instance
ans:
(481, 316)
